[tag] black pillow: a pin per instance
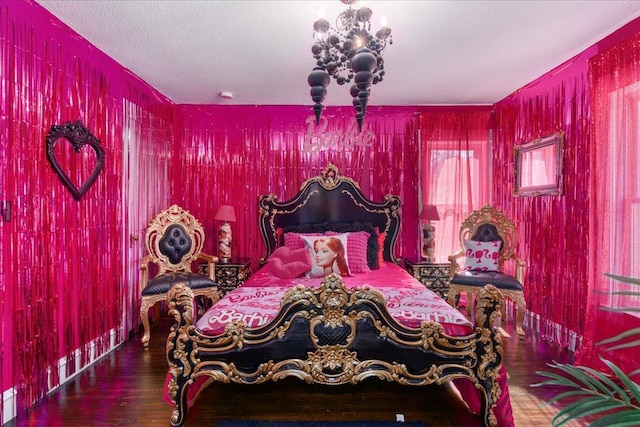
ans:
(373, 246)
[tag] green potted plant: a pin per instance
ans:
(607, 399)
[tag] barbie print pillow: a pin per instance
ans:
(328, 255)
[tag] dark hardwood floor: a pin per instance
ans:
(125, 387)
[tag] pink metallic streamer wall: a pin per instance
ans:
(233, 154)
(61, 281)
(553, 230)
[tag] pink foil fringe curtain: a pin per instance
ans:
(615, 202)
(553, 230)
(61, 284)
(230, 155)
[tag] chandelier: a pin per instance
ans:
(348, 52)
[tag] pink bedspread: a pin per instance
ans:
(409, 302)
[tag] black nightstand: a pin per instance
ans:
(434, 275)
(229, 274)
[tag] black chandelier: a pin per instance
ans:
(348, 52)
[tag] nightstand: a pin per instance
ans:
(434, 275)
(229, 274)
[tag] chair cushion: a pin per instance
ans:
(162, 284)
(481, 278)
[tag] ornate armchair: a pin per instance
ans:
(488, 239)
(174, 240)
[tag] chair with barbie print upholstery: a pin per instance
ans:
(488, 241)
(174, 240)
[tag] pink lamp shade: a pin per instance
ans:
(225, 213)
(429, 213)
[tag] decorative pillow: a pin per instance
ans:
(328, 255)
(287, 263)
(343, 227)
(381, 238)
(481, 256)
(294, 240)
(357, 248)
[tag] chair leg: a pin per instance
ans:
(452, 297)
(144, 316)
(470, 302)
(520, 317)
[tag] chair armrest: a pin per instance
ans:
(144, 272)
(211, 263)
(521, 266)
(453, 259)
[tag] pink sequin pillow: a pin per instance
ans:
(287, 263)
(481, 256)
(294, 240)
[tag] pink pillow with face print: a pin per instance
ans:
(357, 242)
(481, 256)
(328, 255)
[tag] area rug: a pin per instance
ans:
(253, 423)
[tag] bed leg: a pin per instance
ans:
(180, 300)
(488, 309)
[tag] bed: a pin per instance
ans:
(372, 322)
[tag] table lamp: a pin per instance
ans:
(226, 214)
(429, 213)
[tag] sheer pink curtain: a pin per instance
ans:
(455, 175)
(615, 199)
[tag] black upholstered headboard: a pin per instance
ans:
(329, 198)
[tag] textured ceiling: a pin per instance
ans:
(443, 52)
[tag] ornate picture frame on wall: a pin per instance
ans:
(78, 136)
(538, 167)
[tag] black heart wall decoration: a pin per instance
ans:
(79, 137)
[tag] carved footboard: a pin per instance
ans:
(333, 335)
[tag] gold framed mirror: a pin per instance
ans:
(538, 166)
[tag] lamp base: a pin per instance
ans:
(224, 242)
(428, 242)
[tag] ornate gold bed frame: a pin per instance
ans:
(333, 335)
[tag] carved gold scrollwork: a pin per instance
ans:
(332, 316)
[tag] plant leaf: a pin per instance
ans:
(620, 310)
(624, 345)
(626, 418)
(586, 377)
(587, 406)
(620, 336)
(624, 279)
(632, 387)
